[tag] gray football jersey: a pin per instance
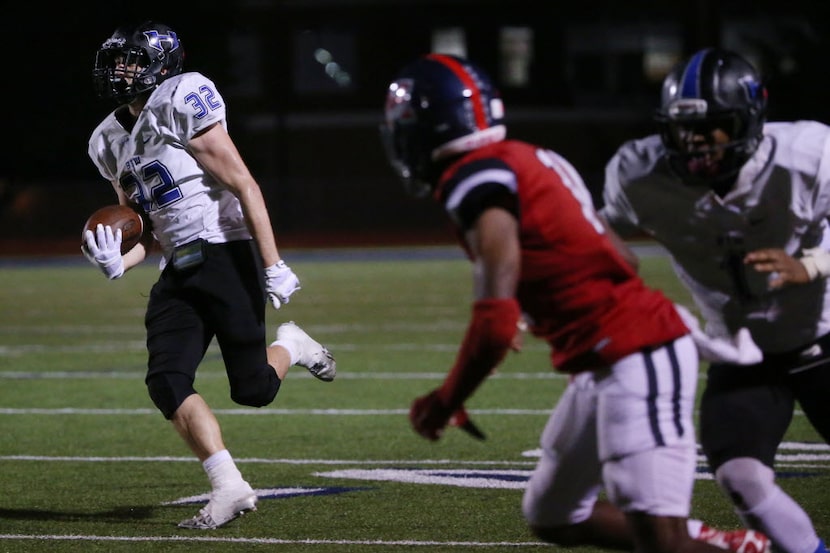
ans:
(781, 200)
(155, 169)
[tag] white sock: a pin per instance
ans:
(221, 470)
(784, 522)
(290, 347)
(694, 526)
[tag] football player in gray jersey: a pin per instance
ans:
(167, 152)
(741, 205)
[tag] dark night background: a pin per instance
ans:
(314, 147)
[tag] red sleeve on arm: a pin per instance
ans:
(487, 341)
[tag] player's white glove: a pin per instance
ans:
(280, 283)
(103, 249)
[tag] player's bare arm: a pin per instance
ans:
(494, 242)
(783, 268)
(215, 151)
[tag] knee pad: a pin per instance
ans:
(255, 391)
(746, 481)
(168, 391)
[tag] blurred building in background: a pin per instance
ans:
(305, 82)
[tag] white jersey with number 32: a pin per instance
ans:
(155, 170)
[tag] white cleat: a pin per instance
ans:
(223, 507)
(310, 354)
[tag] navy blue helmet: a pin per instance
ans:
(437, 107)
(714, 90)
(136, 59)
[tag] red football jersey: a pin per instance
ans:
(578, 293)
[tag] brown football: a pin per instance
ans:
(118, 217)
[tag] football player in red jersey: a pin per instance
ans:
(541, 255)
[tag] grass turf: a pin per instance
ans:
(89, 465)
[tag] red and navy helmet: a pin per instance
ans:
(135, 60)
(714, 89)
(437, 107)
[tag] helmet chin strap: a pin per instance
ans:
(700, 173)
(702, 163)
(719, 174)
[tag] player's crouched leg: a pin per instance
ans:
(255, 388)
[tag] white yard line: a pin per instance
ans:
(269, 541)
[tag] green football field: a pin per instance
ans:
(87, 464)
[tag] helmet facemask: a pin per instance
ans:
(121, 73)
(135, 60)
(710, 150)
(397, 144)
(402, 135)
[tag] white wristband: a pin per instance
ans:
(816, 262)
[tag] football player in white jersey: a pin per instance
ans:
(742, 206)
(166, 150)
